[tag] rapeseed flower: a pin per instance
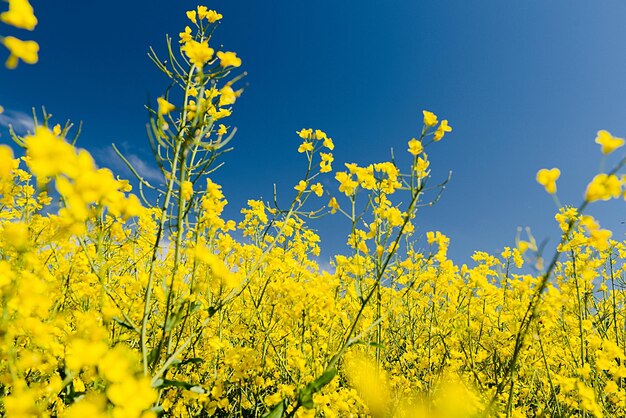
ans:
(547, 178)
(20, 14)
(20, 50)
(441, 130)
(228, 59)
(318, 189)
(165, 107)
(212, 16)
(608, 142)
(430, 119)
(199, 53)
(415, 147)
(603, 187)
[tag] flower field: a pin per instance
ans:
(124, 298)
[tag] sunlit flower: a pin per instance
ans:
(227, 96)
(301, 186)
(228, 59)
(441, 130)
(199, 53)
(603, 187)
(191, 15)
(547, 178)
(20, 50)
(318, 189)
(165, 107)
(415, 147)
(608, 142)
(430, 119)
(212, 16)
(20, 15)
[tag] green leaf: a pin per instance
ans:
(305, 398)
(277, 411)
(152, 354)
(174, 320)
(370, 343)
(193, 360)
(124, 323)
(163, 383)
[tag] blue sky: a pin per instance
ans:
(525, 85)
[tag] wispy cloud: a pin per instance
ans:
(326, 266)
(21, 122)
(150, 172)
(108, 158)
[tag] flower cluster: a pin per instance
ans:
(122, 305)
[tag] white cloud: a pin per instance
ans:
(21, 122)
(326, 266)
(107, 157)
(149, 172)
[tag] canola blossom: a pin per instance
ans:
(20, 14)
(547, 178)
(117, 303)
(608, 142)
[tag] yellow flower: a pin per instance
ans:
(86, 407)
(333, 205)
(81, 353)
(325, 164)
(611, 387)
(186, 190)
(165, 107)
(222, 130)
(415, 147)
(48, 154)
(15, 234)
(305, 146)
(603, 187)
(212, 16)
(191, 15)
(21, 403)
(24, 50)
(320, 134)
(608, 142)
(347, 184)
(186, 35)
(373, 388)
(318, 189)
(547, 178)
(202, 12)
(441, 130)
(523, 246)
(305, 133)
(301, 186)
(132, 396)
(430, 119)
(229, 59)
(227, 95)
(421, 167)
(599, 238)
(20, 15)
(6, 162)
(198, 53)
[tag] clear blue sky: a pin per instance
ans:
(525, 85)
